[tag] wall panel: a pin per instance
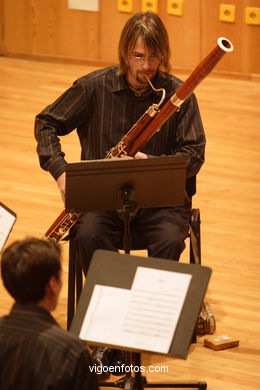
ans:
(245, 38)
(251, 43)
(1, 27)
(184, 33)
(111, 24)
(47, 28)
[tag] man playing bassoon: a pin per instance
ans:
(102, 106)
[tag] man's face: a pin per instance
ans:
(142, 63)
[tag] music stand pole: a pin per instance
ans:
(125, 214)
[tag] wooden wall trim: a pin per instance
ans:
(58, 59)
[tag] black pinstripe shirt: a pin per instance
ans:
(103, 108)
(36, 354)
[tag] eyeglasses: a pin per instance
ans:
(141, 59)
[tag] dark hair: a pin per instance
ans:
(151, 28)
(27, 266)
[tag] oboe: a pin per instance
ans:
(149, 123)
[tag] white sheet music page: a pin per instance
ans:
(144, 317)
(7, 220)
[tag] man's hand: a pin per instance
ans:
(137, 156)
(61, 184)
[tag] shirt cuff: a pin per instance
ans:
(56, 167)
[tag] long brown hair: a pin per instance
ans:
(152, 30)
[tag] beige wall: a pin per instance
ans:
(48, 29)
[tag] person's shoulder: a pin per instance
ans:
(99, 75)
(63, 334)
(63, 338)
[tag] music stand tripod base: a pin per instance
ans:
(122, 384)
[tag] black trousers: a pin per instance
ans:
(162, 231)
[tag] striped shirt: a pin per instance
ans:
(36, 354)
(103, 108)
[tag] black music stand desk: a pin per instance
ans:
(99, 184)
(125, 185)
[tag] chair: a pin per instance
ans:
(75, 275)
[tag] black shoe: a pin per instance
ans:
(109, 361)
(118, 362)
(100, 357)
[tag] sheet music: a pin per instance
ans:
(144, 317)
(6, 223)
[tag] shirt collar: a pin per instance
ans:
(30, 309)
(120, 84)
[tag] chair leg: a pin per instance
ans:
(79, 276)
(71, 284)
(195, 237)
(206, 321)
(195, 247)
(74, 282)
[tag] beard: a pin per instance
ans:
(141, 76)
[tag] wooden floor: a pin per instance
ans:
(228, 197)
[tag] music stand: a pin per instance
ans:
(104, 270)
(124, 186)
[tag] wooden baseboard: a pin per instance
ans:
(58, 59)
(101, 64)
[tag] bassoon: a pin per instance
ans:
(149, 123)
